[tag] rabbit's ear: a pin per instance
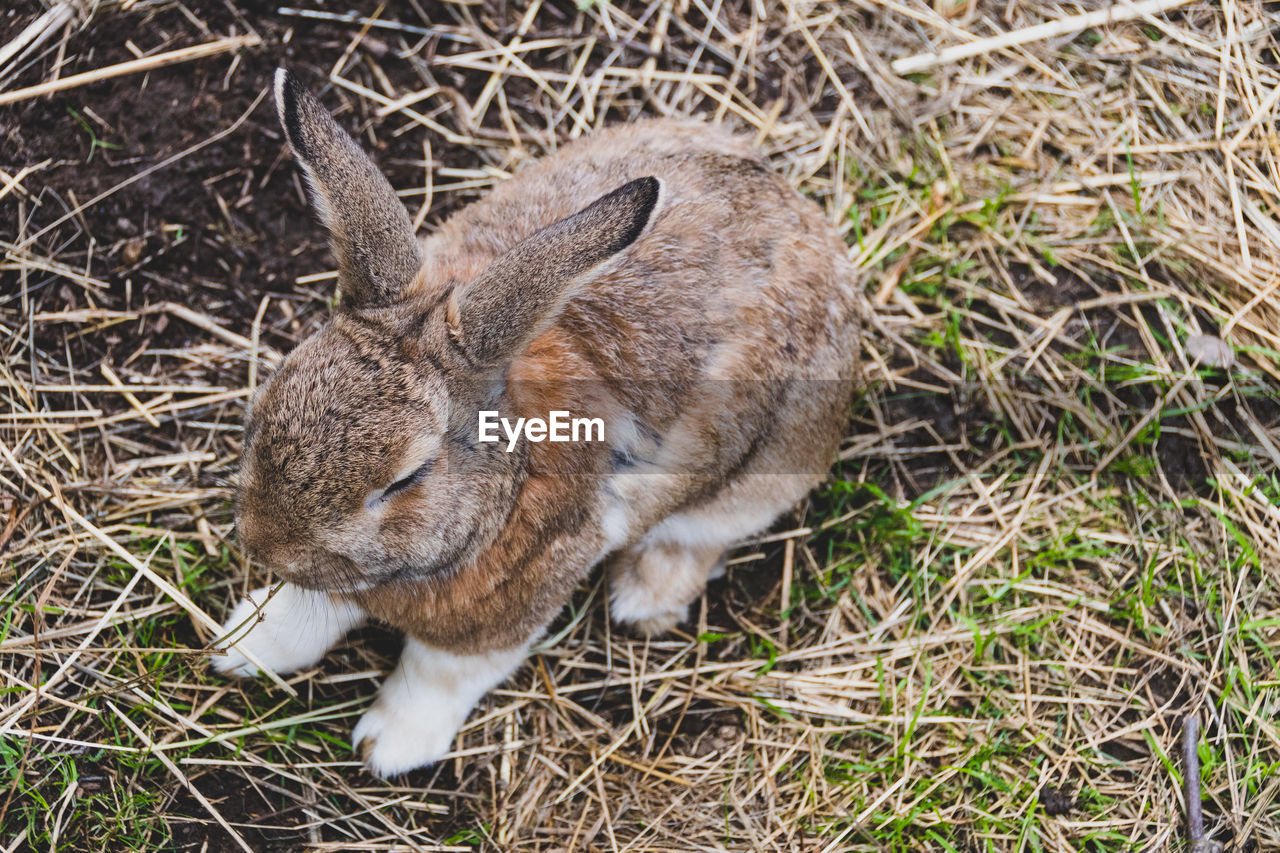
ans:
(495, 316)
(372, 234)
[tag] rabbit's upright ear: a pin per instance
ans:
(496, 315)
(371, 231)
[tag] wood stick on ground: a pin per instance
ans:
(1049, 29)
(1191, 769)
(202, 321)
(133, 66)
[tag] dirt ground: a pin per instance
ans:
(1051, 536)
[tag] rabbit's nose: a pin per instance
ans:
(265, 536)
(266, 543)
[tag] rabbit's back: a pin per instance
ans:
(722, 344)
(740, 277)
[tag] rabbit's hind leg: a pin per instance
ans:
(653, 583)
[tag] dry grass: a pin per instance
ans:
(1053, 533)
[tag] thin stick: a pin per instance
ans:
(429, 188)
(1191, 768)
(788, 570)
(254, 341)
(1259, 115)
(202, 321)
(133, 66)
(15, 181)
(1122, 11)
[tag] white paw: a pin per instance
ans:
(424, 702)
(634, 604)
(286, 632)
(395, 739)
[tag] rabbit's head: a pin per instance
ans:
(360, 461)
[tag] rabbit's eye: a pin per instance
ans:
(405, 482)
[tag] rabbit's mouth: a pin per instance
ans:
(324, 571)
(454, 556)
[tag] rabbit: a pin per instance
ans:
(657, 276)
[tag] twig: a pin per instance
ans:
(11, 182)
(255, 342)
(133, 66)
(202, 321)
(128, 395)
(1191, 768)
(353, 18)
(1122, 11)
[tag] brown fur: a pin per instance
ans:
(727, 331)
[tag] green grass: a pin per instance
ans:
(1121, 557)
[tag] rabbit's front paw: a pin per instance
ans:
(395, 737)
(286, 632)
(424, 702)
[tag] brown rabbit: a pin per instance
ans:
(656, 279)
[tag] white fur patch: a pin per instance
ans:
(615, 525)
(664, 197)
(633, 603)
(280, 77)
(290, 631)
(727, 526)
(424, 702)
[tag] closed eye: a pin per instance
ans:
(411, 480)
